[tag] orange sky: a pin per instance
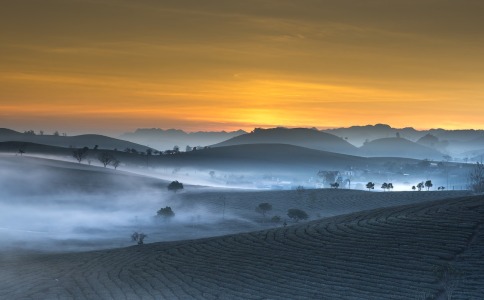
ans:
(117, 65)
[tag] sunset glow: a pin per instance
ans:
(117, 65)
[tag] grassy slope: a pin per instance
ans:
(301, 137)
(398, 252)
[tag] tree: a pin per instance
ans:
(384, 186)
(328, 176)
(165, 213)
(413, 187)
(175, 186)
(176, 149)
(138, 237)
(334, 185)
(370, 186)
(420, 186)
(297, 214)
(21, 151)
(390, 186)
(105, 158)
(115, 163)
(476, 178)
(263, 208)
(428, 184)
(80, 154)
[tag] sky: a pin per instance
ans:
(116, 65)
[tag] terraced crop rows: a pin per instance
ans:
(318, 203)
(428, 250)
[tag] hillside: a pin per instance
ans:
(419, 251)
(357, 135)
(257, 156)
(302, 137)
(399, 147)
(167, 139)
(49, 176)
(78, 141)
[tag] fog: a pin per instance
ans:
(61, 209)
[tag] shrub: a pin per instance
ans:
(297, 214)
(175, 186)
(263, 208)
(166, 213)
(138, 237)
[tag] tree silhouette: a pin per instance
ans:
(334, 185)
(138, 237)
(413, 187)
(476, 178)
(175, 186)
(165, 213)
(105, 158)
(297, 214)
(115, 163)
(390, 186)
(428, 184)
(420, 186)
(263, 208)
(80, 154)
(370, 186)
(384, 186)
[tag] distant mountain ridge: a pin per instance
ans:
(302, 137)
(162, 139)
(453, 142)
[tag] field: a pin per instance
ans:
(66, 233)
(429, 250)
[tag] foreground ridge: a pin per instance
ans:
(420, 251)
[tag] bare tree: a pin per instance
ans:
(105, 158)
(263, 208)
(80, 154)
(115, 163)
(476, 178)
(138, 237)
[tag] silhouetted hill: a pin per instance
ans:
(453, 142)
(303, 137)
(357, 135)
(258, 156)
(399, 147)
(167, 139)
(79, 141)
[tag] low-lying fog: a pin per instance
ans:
(57, 206)
(65, 209)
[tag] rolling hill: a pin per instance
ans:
(399, 147)
(78, 141)
(429, 250)
(302, 137)
(167, 139)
